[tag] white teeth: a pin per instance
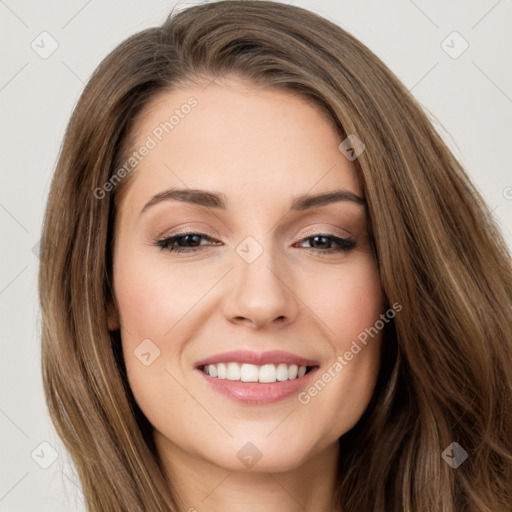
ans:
(233, 371)
(221, 370)
(268, 373)
(253, 373)
(282, 372)
(249, 373)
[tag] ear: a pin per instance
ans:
(112, 316)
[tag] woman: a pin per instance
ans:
(273, 286)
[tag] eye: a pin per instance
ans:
(186, 242)
(321, 240)
(191, 242)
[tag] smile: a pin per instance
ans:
(266, 373)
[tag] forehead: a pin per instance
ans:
(244, 140)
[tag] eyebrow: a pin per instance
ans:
(218, 200)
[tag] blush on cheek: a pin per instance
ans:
(352, 314)
(145, 309)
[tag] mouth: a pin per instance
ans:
(253, 378)
(247, 372)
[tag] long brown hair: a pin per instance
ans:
(446, 373)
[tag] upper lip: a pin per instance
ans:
(247, 356)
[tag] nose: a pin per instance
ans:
(261, 294)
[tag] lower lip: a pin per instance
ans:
(258, 393)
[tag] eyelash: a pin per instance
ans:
(345, 244)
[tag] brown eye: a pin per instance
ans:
(324, 243)
(186, 242)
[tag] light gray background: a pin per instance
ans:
(470, 97)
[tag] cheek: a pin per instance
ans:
(350, 307)
(152, 296)
(154, 300)
(351, 302)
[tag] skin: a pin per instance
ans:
(261, 148)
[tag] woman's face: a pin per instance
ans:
(265, 274)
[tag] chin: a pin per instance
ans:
(262, 455)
